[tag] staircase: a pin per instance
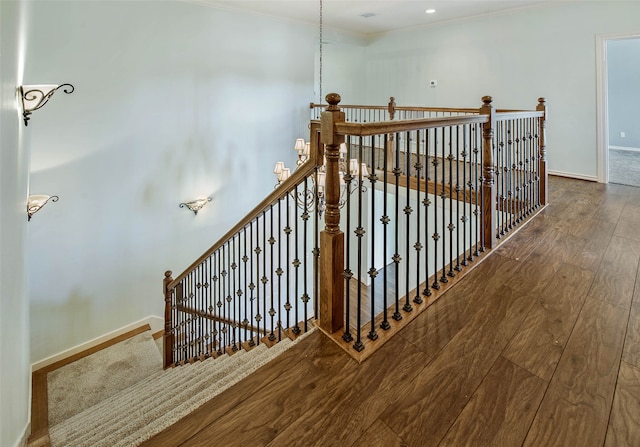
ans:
(136, 413)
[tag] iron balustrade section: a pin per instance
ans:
(424, 192)
(256, 282)
(373, 113)
(516, 159)
(411, 221)
(415, 220)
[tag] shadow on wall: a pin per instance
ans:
(60, 322)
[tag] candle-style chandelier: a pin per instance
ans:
(313, 194)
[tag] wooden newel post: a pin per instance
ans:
(542, 155)
(489, 192)
(168, 337)
(332, 238)
(392, 108)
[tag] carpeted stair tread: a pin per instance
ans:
(137, 413)
(89, 380)
(157, 421)
(169, 384)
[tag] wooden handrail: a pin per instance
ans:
(385, 127)
(514, 115)
(208, 316)
(306, 169)
(400, 108)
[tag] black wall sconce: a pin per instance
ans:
(35, 97)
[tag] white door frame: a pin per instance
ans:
(602, 101)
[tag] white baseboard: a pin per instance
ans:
(589, 178)
(625, 148)
(156, 323)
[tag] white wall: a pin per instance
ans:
(623, 77)
(546, 51)
(173, 101)
(15, 371)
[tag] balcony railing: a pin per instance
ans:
(410, 207)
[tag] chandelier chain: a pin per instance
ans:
(320, 77)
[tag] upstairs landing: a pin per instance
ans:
(539, 345)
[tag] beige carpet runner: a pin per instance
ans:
(90, 380)
(139, 411)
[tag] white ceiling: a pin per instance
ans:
(384, 15)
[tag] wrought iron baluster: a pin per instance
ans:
(435, 236)
(305, 233)
(359, 232)
(272, 311)
(512, 144)
(443, 196)
(201, 322)
(477, 175)
(348, 273)
(458, 250)
(407, 217)
(258, 250)
(192, 305)
(279, 271)
(451, 227)
(316, 251)
(481, 176)
(245, 260)
(296, 264)
(385, 222)
(214, 301)
(396, 257)
(467, 198)
(233, 291)
(287, 232)
(264, 278)
(252, 285)
(373, 272)
(418, 246)
(426, 202)
(226, 288)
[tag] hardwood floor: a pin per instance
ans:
(537, 346)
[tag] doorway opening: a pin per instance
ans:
(618, 61)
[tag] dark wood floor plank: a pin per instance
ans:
(628, 224)
(615, 279)
(624, 424)
(570, 204)
(575, 409)
(378, 435)
(558, 248)
(610, 206)
(429, 405)
(312, 361)
(358, 399)
(286, 422)
(433, 329)
(596, 235)
(465, 333)
(538, 344)
(631, 352)
(501, 410)
(526, 239)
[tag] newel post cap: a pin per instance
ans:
(333, 99)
